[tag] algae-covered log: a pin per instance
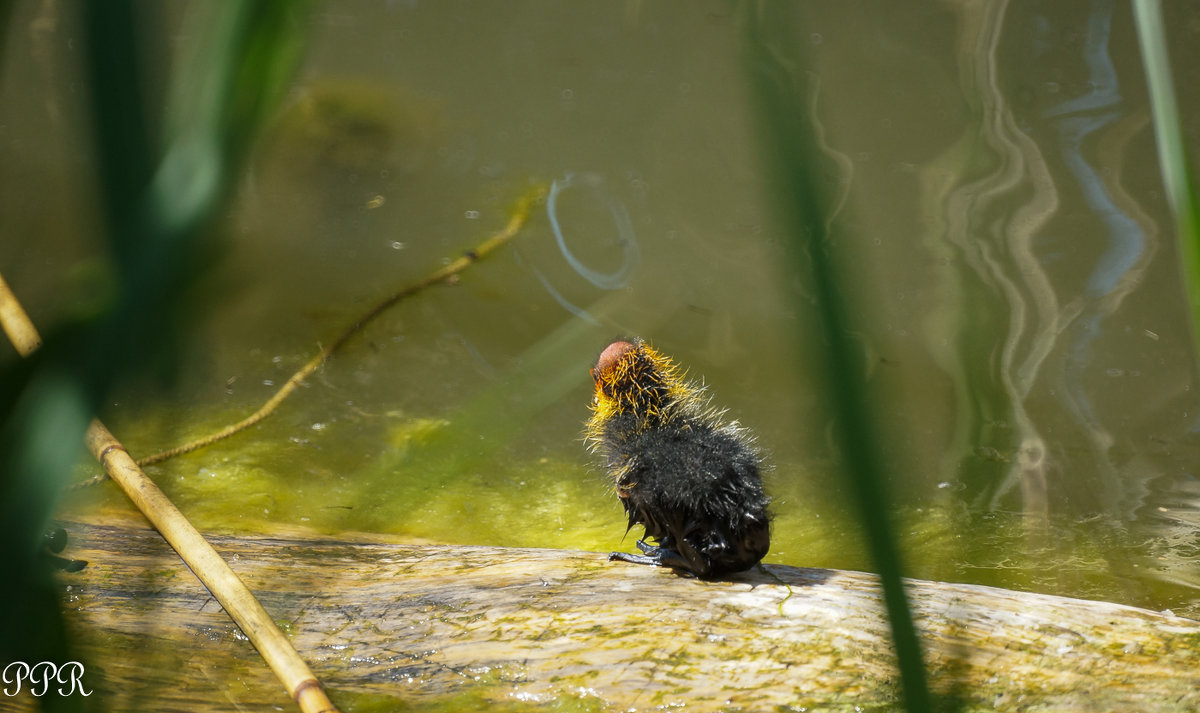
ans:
(484, 626)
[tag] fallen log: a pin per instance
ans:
(414, 625)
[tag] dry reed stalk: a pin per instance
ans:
(208, 566)
(16, 322)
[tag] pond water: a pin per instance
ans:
(993, 175)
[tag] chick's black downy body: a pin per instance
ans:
(689, 479)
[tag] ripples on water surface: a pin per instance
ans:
(994, 186)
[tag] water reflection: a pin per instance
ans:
(626, 241)
(1053, 230)
(993, 221)
(991, 168)
(1119, 269)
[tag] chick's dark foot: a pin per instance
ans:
(634, 559)
(651, 555)
(655, 556)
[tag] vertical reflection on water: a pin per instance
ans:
(1130, 245)
(996, 243)
(1019, 362)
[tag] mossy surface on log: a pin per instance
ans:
(400, 627)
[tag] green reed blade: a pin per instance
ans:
(1172, 153)
(780, 85)
(158, 202)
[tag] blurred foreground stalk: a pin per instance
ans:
(201, 558)
(158, 204)
(780, 88)
(1172, 153)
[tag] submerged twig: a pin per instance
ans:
(519, 217)
(212, 571)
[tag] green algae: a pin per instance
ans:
(556, 498)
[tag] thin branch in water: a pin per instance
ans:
(520, 215)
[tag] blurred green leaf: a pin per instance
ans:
(158, 203)
(780, 87)
(1172, 153)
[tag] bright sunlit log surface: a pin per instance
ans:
(526, 629)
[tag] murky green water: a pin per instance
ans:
(992, 163)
